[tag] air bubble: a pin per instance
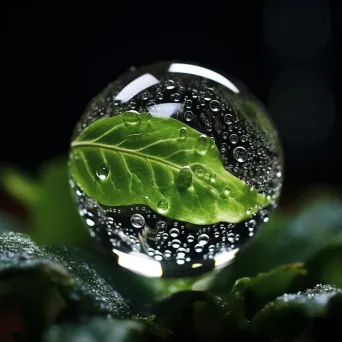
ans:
(240, 154)
(188, 116)
(214, 105)
(137, 221)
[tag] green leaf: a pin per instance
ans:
(99, 330)
(52, 211)
(302, 316)
(21, 186)
(52, 283)
(285, 241)
(163, 163)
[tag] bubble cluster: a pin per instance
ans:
(226, 116)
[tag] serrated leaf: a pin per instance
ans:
(300, 316)
(46, 283)
(163, 163)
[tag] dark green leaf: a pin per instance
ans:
(47, 283)
(301, 316)
(99, 330)
(317, 226)
(53, 215)
(136, 158)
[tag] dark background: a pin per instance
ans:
(56, 57)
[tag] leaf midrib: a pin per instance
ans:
(79, 144)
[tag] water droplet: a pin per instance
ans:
(161, 225)
(184, 178)
(182, 133)
(251, 224)
(176, 97)
(181, 252)
(158, 256)
(175, 243)
(200, 171)
(163, 205)
(190, 238)
(103, 172)
(214, 105)
(167, 254)
(90, 222)
(233, 138)
(225, 135)
(203, 239)
(174, 232)
(216, 235)
(170, 84)
(188, 104)
(240, 154)
(137, 220)
(188, 115)
(131, 118)
(212, 178)
(198, 248)
(226, 190)
(228, 119)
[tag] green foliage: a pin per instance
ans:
(50, 203)
(130, 155)
(285, 285)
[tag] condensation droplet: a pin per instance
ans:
(190, 238)
(137, 220)
(188, 115)
(214, 105)
(240, 154)
(198, 248)
(228, 119)
(170, 84)
(161, 225)
(174, 232)
(175, 243)
(226, 190)
(233, 138)
(203, 239)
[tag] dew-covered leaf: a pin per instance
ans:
(52, 212)
(135, 158)
(311, 315)
(298, 239)
(46, 284)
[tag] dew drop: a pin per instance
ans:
(188, 115)
(103, 172)
(182, 133)
(240, 154)
(214, 105)
(225, 135)
(137, 220)
(188, 103)
(163, 205)
(251, 224)
(203, 239)
(212, 178)
(131, 118)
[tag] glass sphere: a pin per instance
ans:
(148, 239)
